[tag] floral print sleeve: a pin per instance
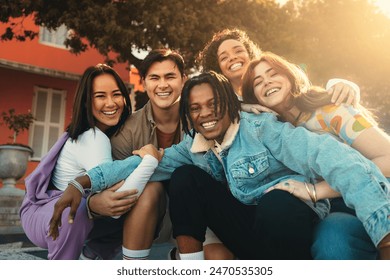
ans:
(343, 121)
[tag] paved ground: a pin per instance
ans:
(18, 247)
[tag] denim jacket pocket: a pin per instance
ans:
(250, 170)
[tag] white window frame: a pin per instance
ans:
(46, 123)
(60, 32)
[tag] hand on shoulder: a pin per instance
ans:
(149, 149)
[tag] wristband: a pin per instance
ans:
(77, 185)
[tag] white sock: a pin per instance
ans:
(135, 254)
(192, 256)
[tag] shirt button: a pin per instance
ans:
(251, 170)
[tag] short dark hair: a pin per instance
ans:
(82, 116)
(224, 97)
(208, 58)
(160, 55)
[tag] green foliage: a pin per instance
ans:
(16, 122)
(333, 38)
(347, 39)
(119, 26)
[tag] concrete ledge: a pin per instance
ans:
(9, 214)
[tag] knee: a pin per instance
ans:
(337, 228)
(152, 196)
(182, 179)
(217, 251)
(281, 208)
(341, 236)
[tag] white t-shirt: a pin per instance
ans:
(92, 148)
(89, 150)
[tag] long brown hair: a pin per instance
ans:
(82, 116)
(307, 97)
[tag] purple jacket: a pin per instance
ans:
(38, 181)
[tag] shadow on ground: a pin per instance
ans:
(19, 247)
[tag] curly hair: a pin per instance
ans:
(208, 59)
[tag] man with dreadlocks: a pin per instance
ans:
(223, 172)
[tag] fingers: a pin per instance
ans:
(350, 100)
(53, 229)
(137, 152)
(255, 111)
(342, 93)
(336, 92)
(161, 152)
(120, 199)
(269, 189)
(123, 206)
(284, 186)
(124, 194)
(255, 108)
(142, 152)
(121, 211)
(128, 200)
(116, 186)
(265, 109)
(287, 186)
(55, 221)
(72, 213)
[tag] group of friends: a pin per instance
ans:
(246, 160)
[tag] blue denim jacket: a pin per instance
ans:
(264, 152)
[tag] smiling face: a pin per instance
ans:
(163, 83)
(233, 57)
(272, 89)
(107, 101)
(202, 113)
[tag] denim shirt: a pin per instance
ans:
(264, 152)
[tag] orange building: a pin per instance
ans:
(41, 76)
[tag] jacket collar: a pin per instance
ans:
(201, 144)
(149, 116)
(149, 113)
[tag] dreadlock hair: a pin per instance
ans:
(82, 116)
(225, 99)
(208, 58)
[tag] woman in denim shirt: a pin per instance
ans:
(282, 86)
(249, 154)
(229, 52)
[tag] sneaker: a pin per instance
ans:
(173, 254)
(88, 254)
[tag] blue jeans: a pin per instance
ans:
(341, 236)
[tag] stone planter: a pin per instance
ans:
(13, 165)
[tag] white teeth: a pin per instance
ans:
(110, 113)
(236, 66)
(271, 91)
(163, 93)
(209, 125)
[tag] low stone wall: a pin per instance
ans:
(9, 214)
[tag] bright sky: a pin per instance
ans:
(383, 5)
